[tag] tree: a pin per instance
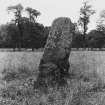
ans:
(37, 36)
(77, 41)
(9, 36)
(85, 12)
(96, 39)
(30, 34)
(101, 22)
(17, 10)
(12, 37)
(33, 13)
(34, 28)
(3, 36)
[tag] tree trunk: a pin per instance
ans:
(54, 65)
(84, 34)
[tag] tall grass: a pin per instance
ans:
(84, 88)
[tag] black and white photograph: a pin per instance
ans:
(52, 52)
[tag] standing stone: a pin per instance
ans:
(54, 65)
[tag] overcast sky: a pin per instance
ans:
(51, 9)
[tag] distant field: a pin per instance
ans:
(86, 62)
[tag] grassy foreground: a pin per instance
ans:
(86, 87)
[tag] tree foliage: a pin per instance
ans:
(101, 22)
(33, 13)
(17, 10)
(85, 12)
(26, 32)
(34, 37)
(96, 39)
(23, 32)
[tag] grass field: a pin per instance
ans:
(84, 64)
(87, 62)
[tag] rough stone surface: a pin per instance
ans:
(54, 64)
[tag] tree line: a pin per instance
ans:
(26, 32)
(23, 32)
(96, 37)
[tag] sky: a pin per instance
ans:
(51, 9)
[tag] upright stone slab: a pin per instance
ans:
(54, 64)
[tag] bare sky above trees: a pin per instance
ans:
(51, 9)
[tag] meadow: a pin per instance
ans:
(86, 62)
(86, 66)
